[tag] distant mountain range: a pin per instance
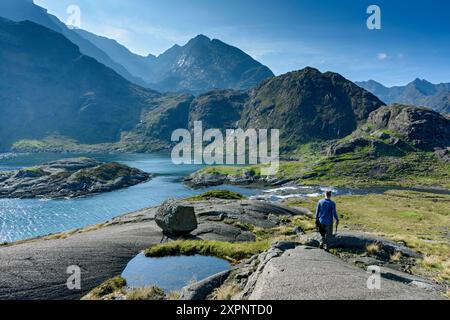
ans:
(56, 83)
(419, 93)
(199, 66)
(48, 86)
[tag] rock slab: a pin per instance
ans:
(307, 273)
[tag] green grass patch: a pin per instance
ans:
(411, 215)
(59, 144)
(217, 194)
(32, 144)
(152, 293)
(229, 251)
(111, 286)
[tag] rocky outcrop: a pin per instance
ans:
(378, 144)
(443, 154)
(200, 179)
(423, 128)
(69, 178)
(176, 219)
(256, 213)
(248, 272)
(348, 146)
(397, 130)
(227, 220)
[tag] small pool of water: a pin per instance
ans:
(171, 273)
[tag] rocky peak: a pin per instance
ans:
(423, 128)
(423, 86)
(200, 39)
(308, 105)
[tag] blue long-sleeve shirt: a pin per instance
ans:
(326, 211)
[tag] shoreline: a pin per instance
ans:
(262, 188)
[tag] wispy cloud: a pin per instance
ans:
(382, 56)
(164, 33)
(120, 34)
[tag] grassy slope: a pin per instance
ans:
(61, 144)
(357, 170)
(133, 143)
(414, 169)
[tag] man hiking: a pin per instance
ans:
(325, 214)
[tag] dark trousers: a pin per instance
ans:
(326, 232)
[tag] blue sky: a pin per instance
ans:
(287, 35)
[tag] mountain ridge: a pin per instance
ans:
(23, 10)
(309, 105)
(201, 65)
(419, 92)
(94, 104)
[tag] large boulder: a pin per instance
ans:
(175, 218)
